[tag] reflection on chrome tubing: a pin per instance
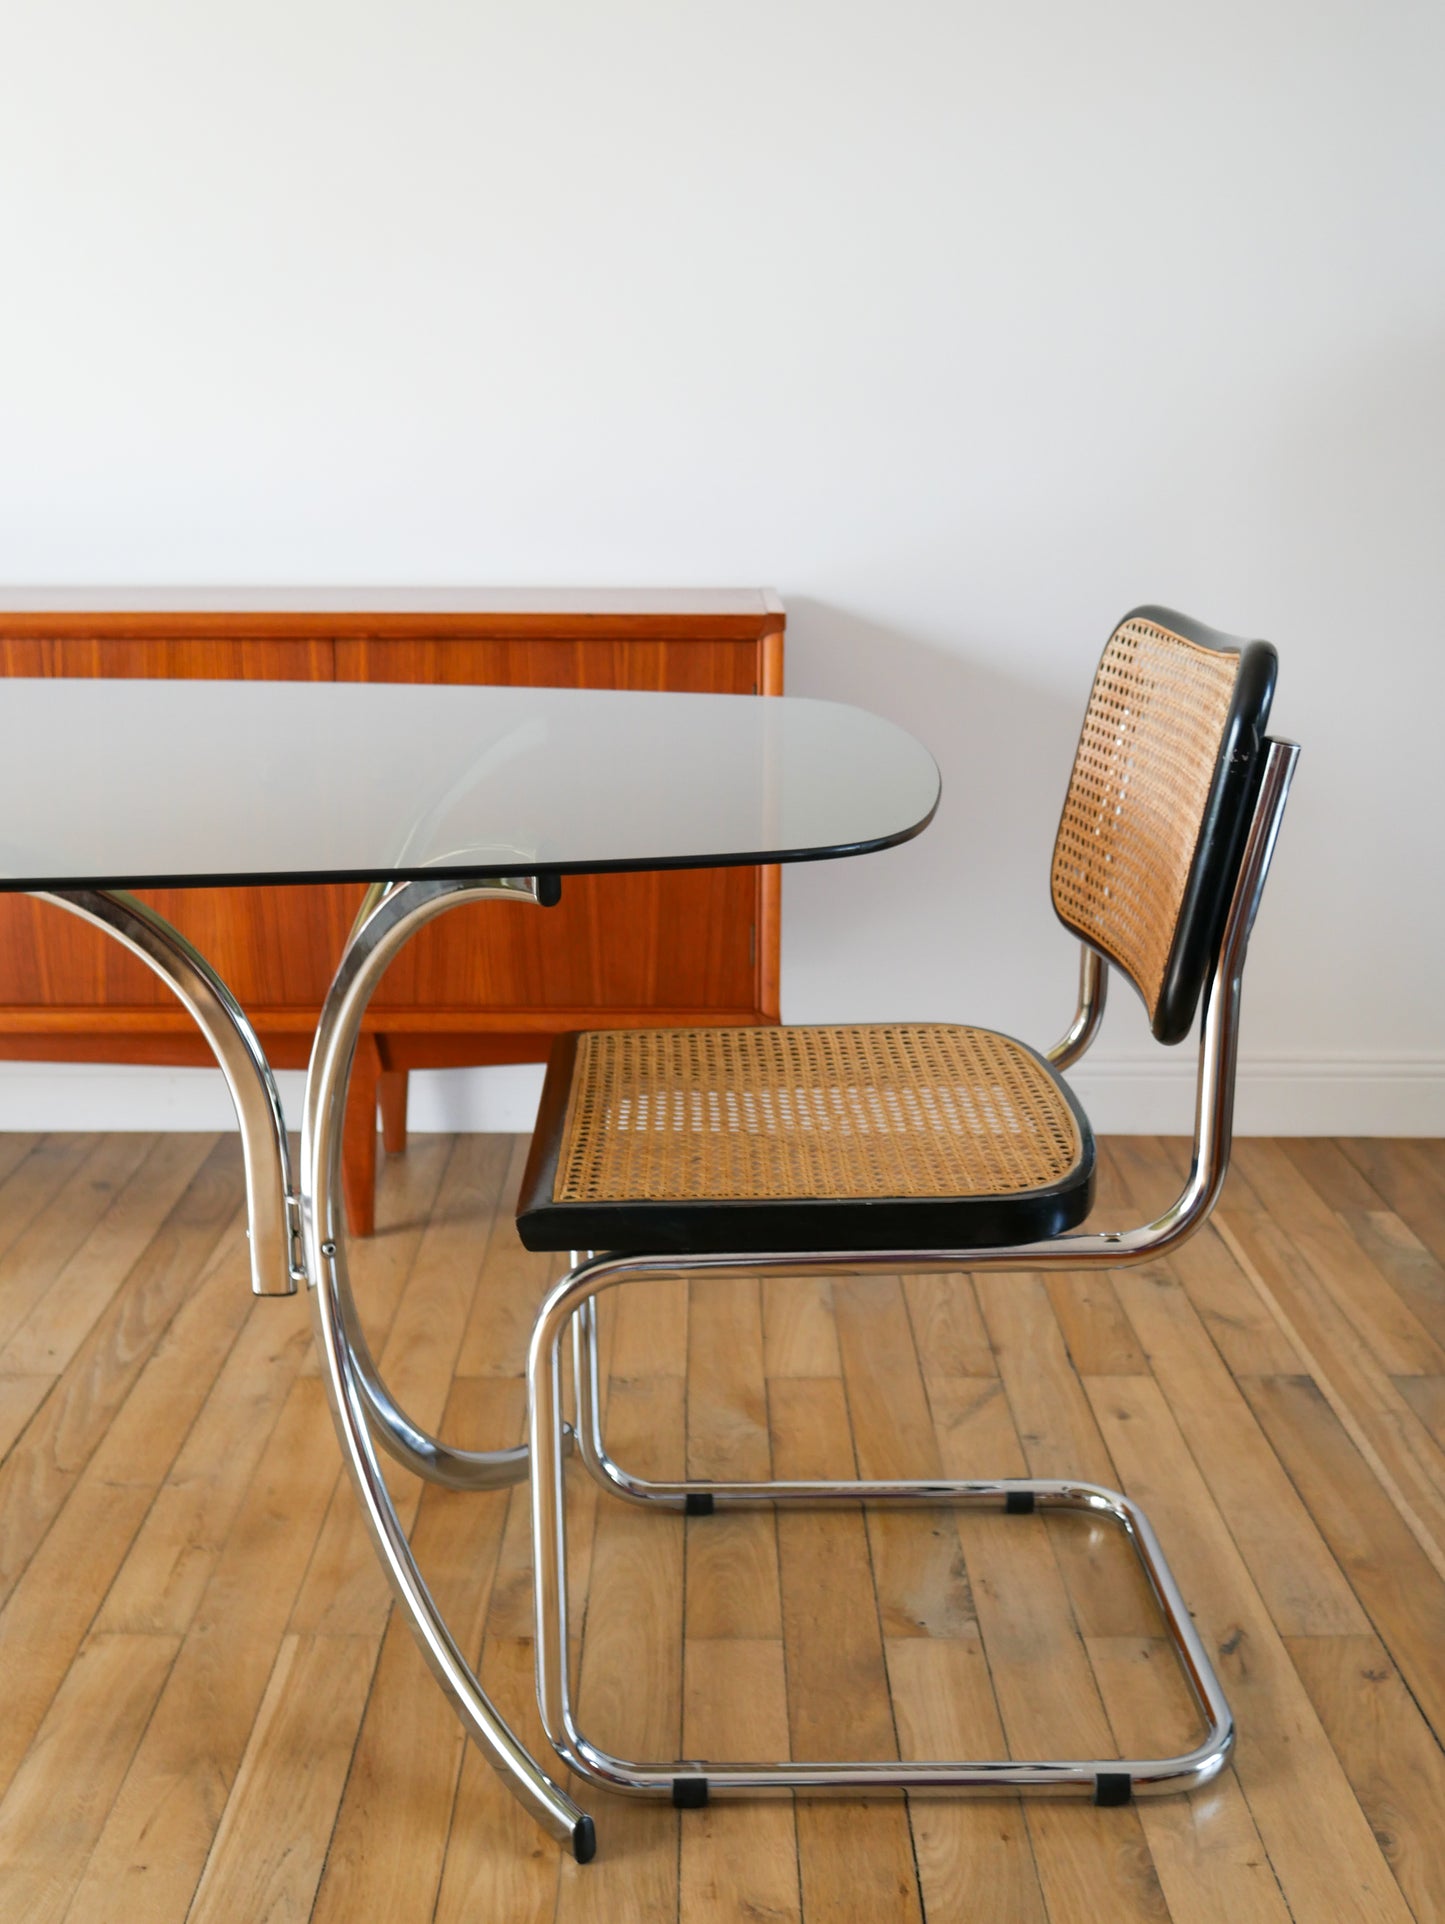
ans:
(390, 916)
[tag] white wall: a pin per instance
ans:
(967, 326)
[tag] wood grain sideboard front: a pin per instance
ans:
(491, 983)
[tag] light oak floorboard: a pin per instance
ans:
(918, 1566)
(1385, 1324)
(1206, 1849)
(855, 1858)
(974, 1859)
(1245, 1332)
(163, 1168)
(57, 1801)
(1323, 1851)
(78, 1507)
(1392, 1757)
(1289, 1560)
(47, 1206)
(1397, 1584)
(158, 1834)
(270, 1848)
(212, 1711)
(741, 1859)
(732, 1556)
(386, 1856)
(15, 1146)
(1411, 1178)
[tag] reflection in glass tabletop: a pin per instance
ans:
(108, 784)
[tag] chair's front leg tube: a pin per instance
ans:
(587, 1385)
(591, 1447)
(570, 1302)
(549, 1511)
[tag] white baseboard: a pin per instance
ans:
(87, 1095)
(1343, 1095)
(1354, 1095)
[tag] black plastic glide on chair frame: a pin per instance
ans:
(888, 1149)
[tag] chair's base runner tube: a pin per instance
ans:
(692, 1782)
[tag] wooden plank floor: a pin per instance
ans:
(210, 1713)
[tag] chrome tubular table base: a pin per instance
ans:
(291, 1243)
(692, 1781)
(364, 1411)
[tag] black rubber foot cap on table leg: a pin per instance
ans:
(697, 1503)
(1112, 1787)
(689, 1793)
(1019, 1502)
(584, 1839)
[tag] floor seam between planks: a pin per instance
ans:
(1351, 1425)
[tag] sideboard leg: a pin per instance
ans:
(358, 1150)
(391, 1092)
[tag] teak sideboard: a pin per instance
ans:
(491, 983)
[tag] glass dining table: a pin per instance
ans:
(432, 797)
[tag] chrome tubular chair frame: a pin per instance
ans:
(363, 1409)
(572, 1301)
(1076, 1039)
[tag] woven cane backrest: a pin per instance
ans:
(1153, 823)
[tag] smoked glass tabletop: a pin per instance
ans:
(118, 784)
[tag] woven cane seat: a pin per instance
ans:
(802, 1138)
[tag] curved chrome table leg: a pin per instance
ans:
(358, 1397)
(273, 1211)
(271, 1207)
(411, 1445)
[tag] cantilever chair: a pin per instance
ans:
(807, 1151)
